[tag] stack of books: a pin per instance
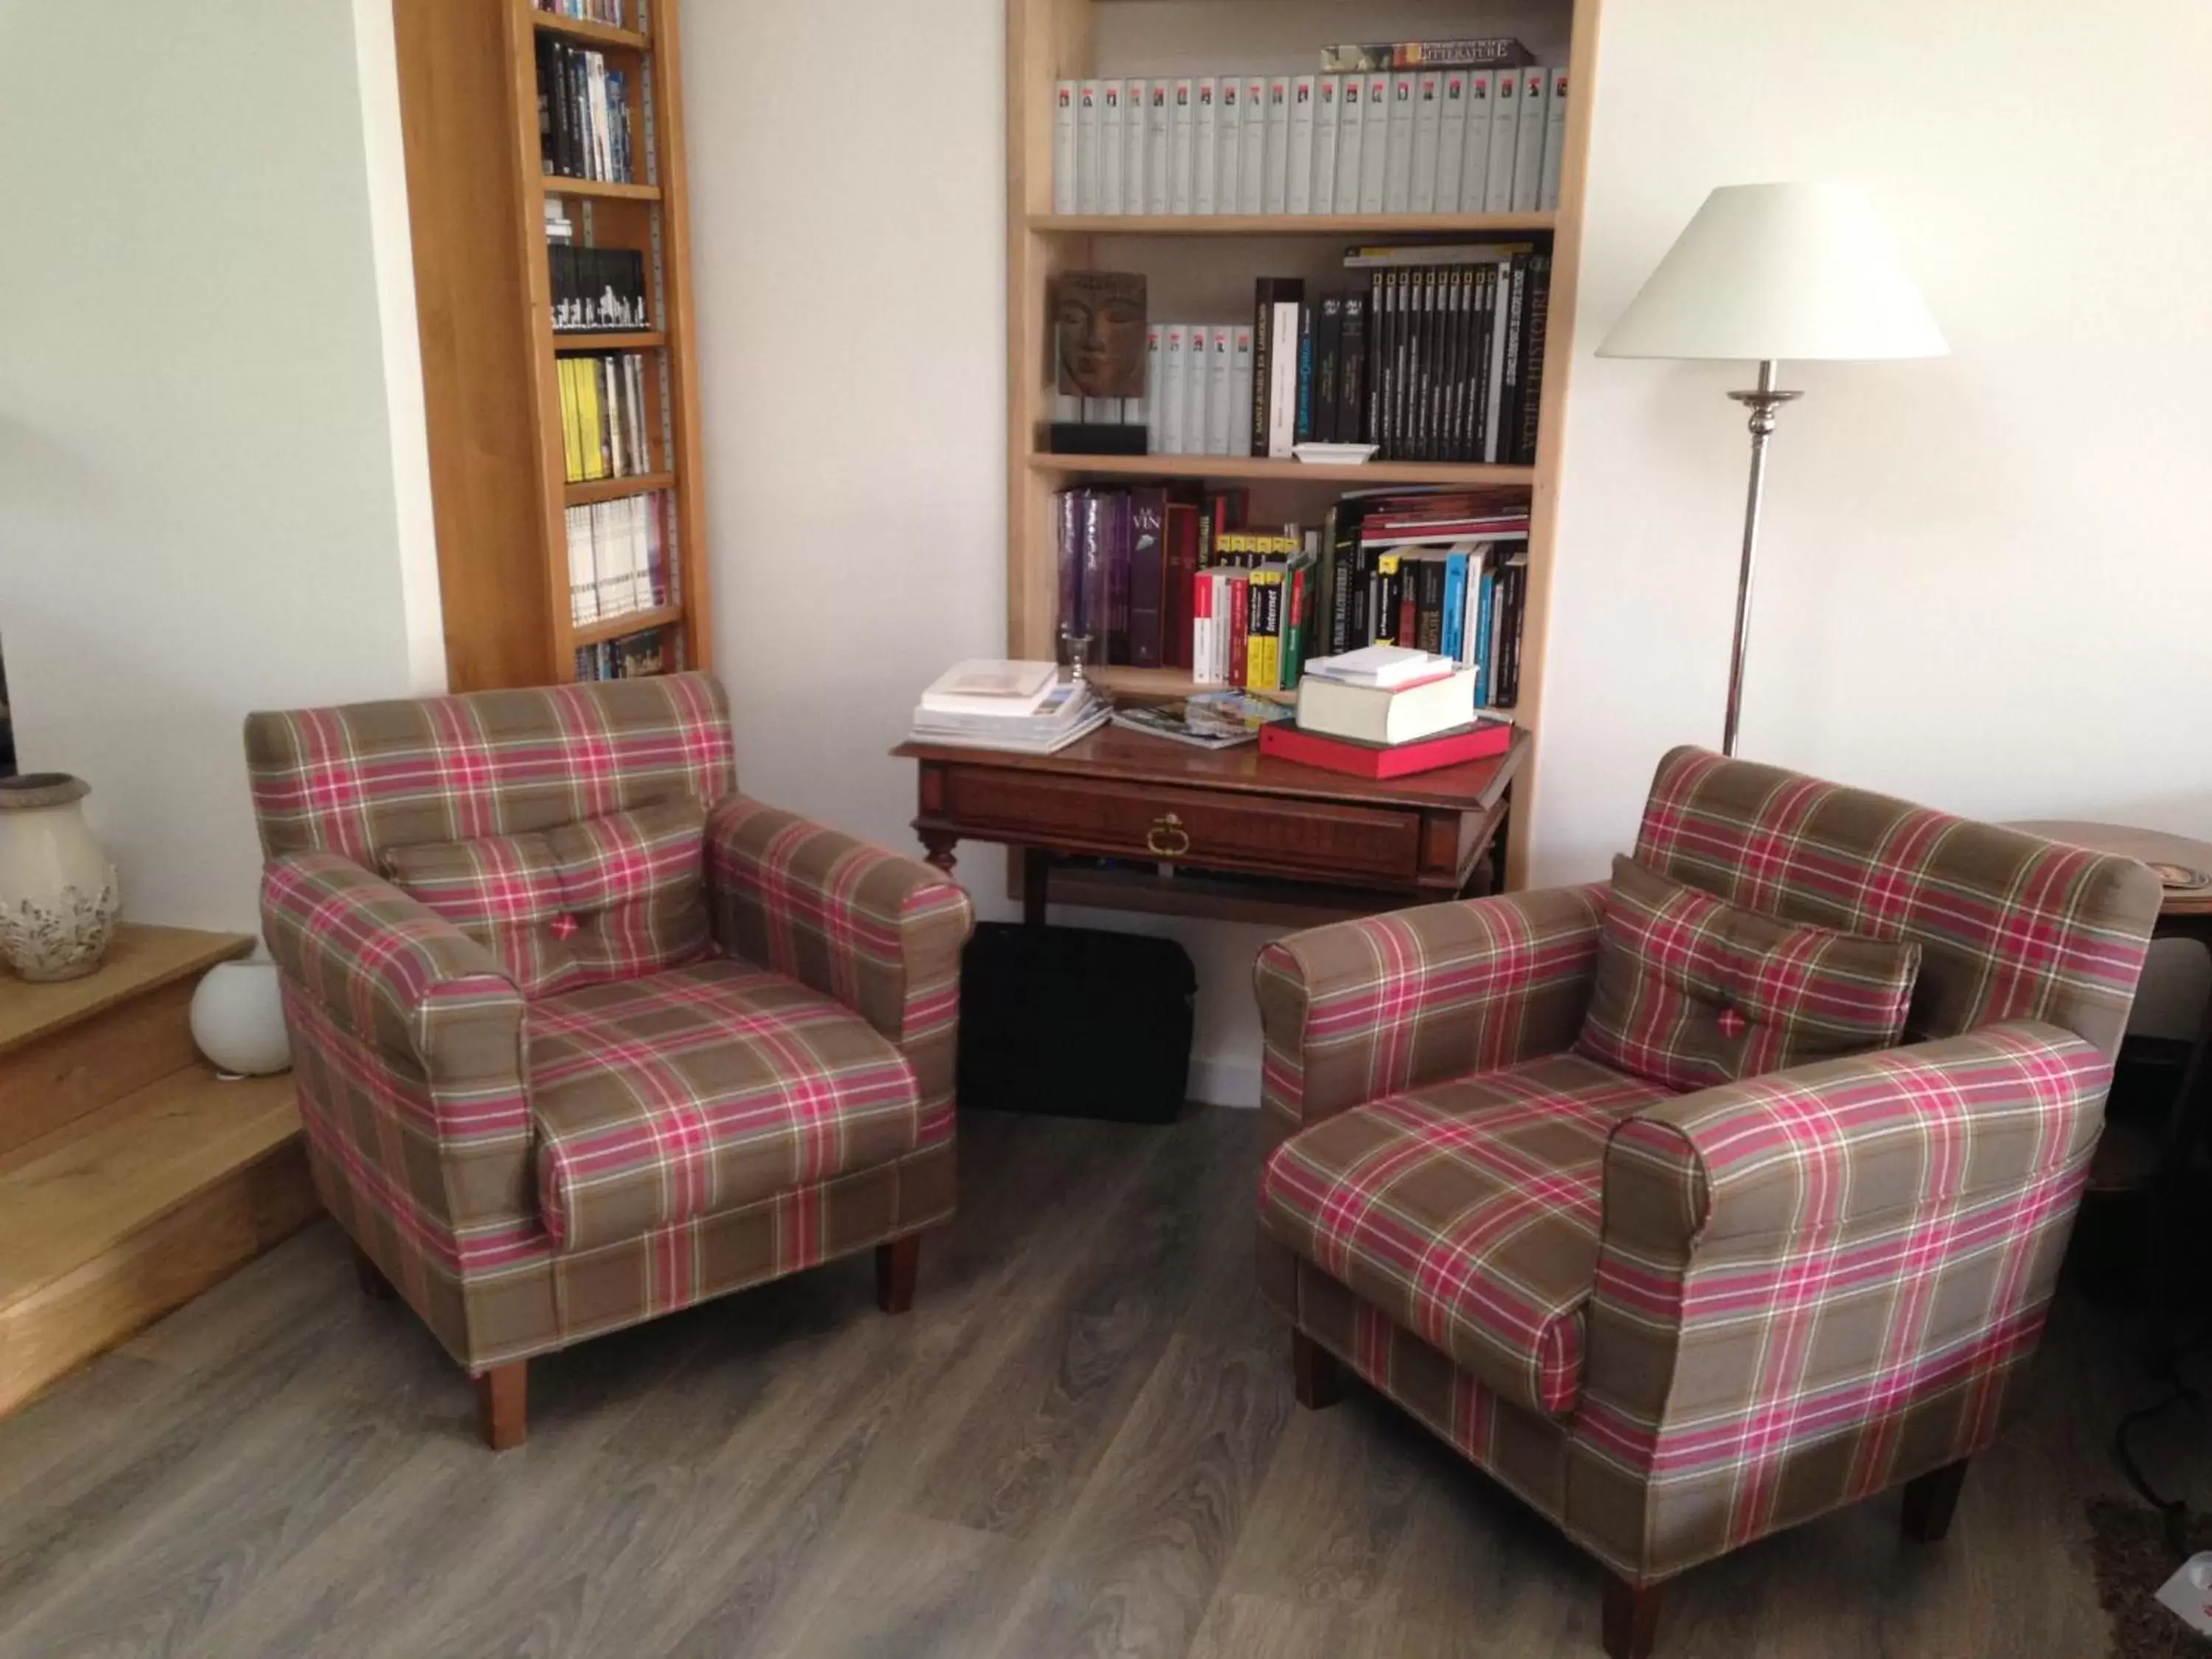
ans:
(1023, 706)
(1387, 711)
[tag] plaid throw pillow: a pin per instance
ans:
(1692, 992)
(610, 898)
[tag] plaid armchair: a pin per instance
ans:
(1674, 1323)
(582, 1034)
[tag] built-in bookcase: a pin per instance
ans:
(1205, 267)
(477, 190)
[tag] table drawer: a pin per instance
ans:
(1224, 829)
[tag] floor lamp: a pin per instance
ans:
(1766, 272)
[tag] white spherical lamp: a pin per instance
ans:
(238, 1019)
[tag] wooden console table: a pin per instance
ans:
(1228, 833)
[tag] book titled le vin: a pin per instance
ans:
(1480, 740)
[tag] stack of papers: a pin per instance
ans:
(1023, 706)
(1383, 668)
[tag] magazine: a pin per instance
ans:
(1208, 720)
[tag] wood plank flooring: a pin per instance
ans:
(1081, 1443)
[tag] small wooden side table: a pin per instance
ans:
(1243, 836)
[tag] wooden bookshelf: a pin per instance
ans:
(476, 193)
(1049, 40)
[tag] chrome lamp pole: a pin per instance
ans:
(1763, 403)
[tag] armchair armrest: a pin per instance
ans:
(388, 971)
(1358, 1010)
(880, 932)
(1813, 1284)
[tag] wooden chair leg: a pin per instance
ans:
(898, 1262)
(502, 1409)
(1631, 1618)
(1317, 1375)
(373, 1284)
(1930, 1500)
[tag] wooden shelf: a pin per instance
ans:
(613, 489)
(630, 622)
(1290, 224)
(1250, 470)
(584, 340)
(595, 34)
(604, 189)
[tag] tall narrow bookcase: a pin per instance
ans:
(1203, 267)
(476, 191)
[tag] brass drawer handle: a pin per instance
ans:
(1167, 838)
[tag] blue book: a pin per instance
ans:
(1303, 432)
(1481, 655)
(1455, 640)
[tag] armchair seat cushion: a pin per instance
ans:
(1467, 1212)
(658, 1100)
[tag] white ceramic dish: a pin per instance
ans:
(1335, 455)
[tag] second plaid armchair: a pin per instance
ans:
(1675, 1319)
(582, 1034)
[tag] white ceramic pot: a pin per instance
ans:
(238, 1019)
(57, 895)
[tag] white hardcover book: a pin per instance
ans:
(1555, 140)
(1086, 146)
(1501, 296)
(1158, 147)
(1278, 193)
(1174, 388)
(1374, 144)
(1283, 382)
(1153, 346)
(1528, 141)
(1111, 148)
(607, 553)
(1063, 147)
(1252, 169)
(1136, 120)
(1240, 389)
(1504, 134)
(1321, 195)
(1229, 145)
(1220, 388)
(1197, 373)
(641, 573)
(1428, 135)
(1451, 141)
(1475, 155)
(1352, 100)
(1298, 187)
(1398, 159)
(583, 602)
(1205, 142)
(1182, 176)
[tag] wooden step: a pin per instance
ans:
(128, 1210)
(70, 1048)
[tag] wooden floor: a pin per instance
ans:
(1081, 1441)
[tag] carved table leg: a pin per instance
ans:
(937, 848)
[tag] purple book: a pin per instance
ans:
(1110, 516)
(1147, 539)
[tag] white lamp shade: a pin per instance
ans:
(1781, 271)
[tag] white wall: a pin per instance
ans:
(1984, 580)
(1983, 584)
(202, 466)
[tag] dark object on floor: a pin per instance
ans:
(2129, 1549)
(1076, 1022)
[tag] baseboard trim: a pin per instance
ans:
(1218, 1082)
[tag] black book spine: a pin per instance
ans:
(1432, 337)
(1352, 372)
(1485, 320)
(545, 159)
(1327, 346)
(1263, 355)
(1394, 365)
(1509, 408)
(1373, 421)
(1416, 338)
(1401, 366)
(1532, 374)
(580, 112)
(1455, 370)
(1429, 602)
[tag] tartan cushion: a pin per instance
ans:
(611, 897)
(660, 1100)
(1467, 1212)
(1692, 993)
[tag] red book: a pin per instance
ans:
(1374, 760)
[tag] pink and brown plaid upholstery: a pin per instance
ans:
(1692, 992)
(475, 1141)
(662, 1099)
(609, 898)
(1467, 1212)
(1782, 1292)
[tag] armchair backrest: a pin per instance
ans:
(365, 777)
(2011, 925)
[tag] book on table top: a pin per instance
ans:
(1479, 740)
(1335, 708)
(1212, 719)
(1383, 667)
(999, 687)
